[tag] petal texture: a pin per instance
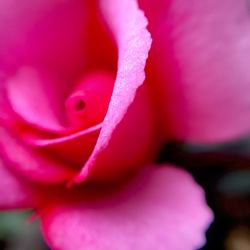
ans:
(200, 61)
(128, 26)
(38, 65)
(162, 208)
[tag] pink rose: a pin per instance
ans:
(200, 62)
(79, 120)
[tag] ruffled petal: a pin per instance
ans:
(162, 208)
(200, 65)
(115, 145)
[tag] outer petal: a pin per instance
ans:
(14, 192)
(200, 62)
(115, 145)
(160, 209)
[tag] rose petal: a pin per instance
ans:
(133, 42)
(56, 38)
(200, 62)
(51, 39)
(74, 148)
(32, 164)
(45, 33)
(15, 193)
(33, 97)
(132, 145)
(88, 103)
(160, 209)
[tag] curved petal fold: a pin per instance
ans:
(200, 62)
(32, 164)
(31, 97)
(162, 208)
(133, 42)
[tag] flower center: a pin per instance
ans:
(79, 105)
(88, 103)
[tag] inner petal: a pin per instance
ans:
(33, 99)
(30, 95)
(88, 102)
(57, 55)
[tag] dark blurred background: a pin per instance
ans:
(222, 170)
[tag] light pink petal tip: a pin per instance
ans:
(133, 42)
(202, 52)
(14, 192)
(162, 208)
(128, 26)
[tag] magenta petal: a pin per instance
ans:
(162, 208)
(31, 163)
(31, 97)
(43, 33)
(133, 42)
(14, 192)
(74, 148)
(200, 58)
